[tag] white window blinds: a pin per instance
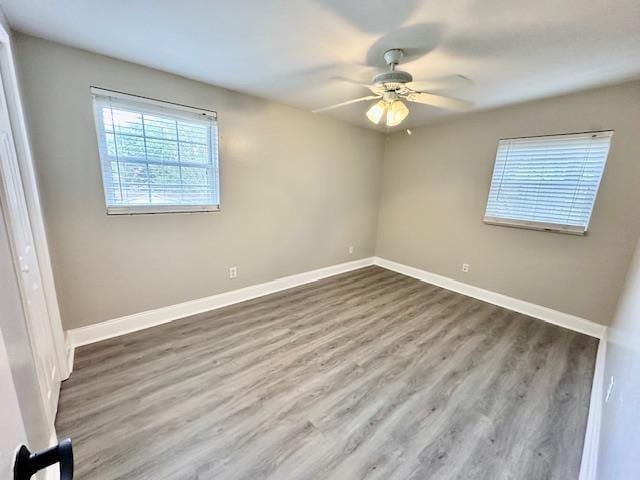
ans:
(155, 156)
(547, 183)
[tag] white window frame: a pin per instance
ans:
(544, 226)
(170, 108)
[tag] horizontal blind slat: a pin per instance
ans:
(156, 155)
(551, 179)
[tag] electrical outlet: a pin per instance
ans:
(612, 385)
(351, 250)
(233, 272)
(465, 267)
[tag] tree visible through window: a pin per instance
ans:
(156, 157)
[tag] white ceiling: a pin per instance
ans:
(289, 50)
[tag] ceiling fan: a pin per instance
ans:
(391, 87)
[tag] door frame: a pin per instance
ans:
(32, 197)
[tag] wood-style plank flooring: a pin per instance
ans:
(369, 374)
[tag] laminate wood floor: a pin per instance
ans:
(369, 374)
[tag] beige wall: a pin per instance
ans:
(435, 186)
(297, 190)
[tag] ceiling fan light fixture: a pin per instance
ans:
(396, 113)
(376, 112)
(392, 88)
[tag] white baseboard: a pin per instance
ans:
(120, 326)
(537, 311)
(138, 321)
(589, 464)
(71, 351)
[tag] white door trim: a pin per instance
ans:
(29, 183)
(589, 464)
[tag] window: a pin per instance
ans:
(156, 157)
(547, 183)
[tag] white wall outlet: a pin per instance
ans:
(233, 272)
(351, 250)
(465, 267)
(612, 384)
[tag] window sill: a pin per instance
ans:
(159, 209)
(540, 226)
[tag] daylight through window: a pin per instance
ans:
(547, 183)
(156, 157)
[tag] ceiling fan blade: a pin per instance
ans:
(349, 80)
(373, 88)
(439, 101)
(348, 102)
(441, 83)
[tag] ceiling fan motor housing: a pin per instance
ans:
(389, 78)
(394, 86)
(393, 79)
